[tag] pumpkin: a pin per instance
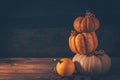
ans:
(89, 23)
(65, 67)
(95, 64)
(83, 43)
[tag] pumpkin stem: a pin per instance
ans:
(100, 52)
(87, 11)
(89, 14)
(73, 32)
(60, 61)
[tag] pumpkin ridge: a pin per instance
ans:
(75, 44)
(77, 23)
(86, 64)
(89, 42)
(85, 43)
(78, 45)
(92, 21)
(93, 39)
(88, 28)
(92, 42)
(90, 24)
(90, 63)
(83, 24)
(97, 24)
(72, 43)
(101, 62)
(86, 25)
(83, 63)
(80, 25)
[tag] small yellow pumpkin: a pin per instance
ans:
(89, 23)
(83, 43)
(97, 63)
(65, 67)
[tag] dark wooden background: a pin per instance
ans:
(41, 28)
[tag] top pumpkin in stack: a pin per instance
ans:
(89, 23)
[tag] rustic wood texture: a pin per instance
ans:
(52, 41)
(43, 69)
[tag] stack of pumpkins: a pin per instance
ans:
(83, 42)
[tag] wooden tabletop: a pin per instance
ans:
(43, 69)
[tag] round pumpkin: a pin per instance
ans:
(89, 23)
(96, 64)
(83, 43)
(65, 67)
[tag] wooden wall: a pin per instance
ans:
(51, 42)
(42, 28)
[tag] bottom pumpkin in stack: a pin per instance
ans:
(94, 64)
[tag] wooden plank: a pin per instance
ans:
(24, 60)
(51, 76)
(31, 76)
(33, 63)
(19, 76)
(26, 71)
(43, 69)
(27, 66)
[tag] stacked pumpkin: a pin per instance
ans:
(83, 42)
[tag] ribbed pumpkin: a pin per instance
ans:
(83, 43)
(89, 23)
(96, 64)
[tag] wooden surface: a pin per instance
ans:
(43, 69)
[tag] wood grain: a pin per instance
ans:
(43, 69)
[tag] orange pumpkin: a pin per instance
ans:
(83, 43)
(89, 23)
(65, 67)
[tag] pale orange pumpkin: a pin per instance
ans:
(96, 64)
(83, 43)
(89, 23)
(65, 67)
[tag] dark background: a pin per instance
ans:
(41, 28)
